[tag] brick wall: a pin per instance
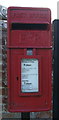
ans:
(5, 113)
(3, 82)
(0, 70)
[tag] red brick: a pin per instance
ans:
(4, 100)
(4, 91)
(0, 83)
(0, 91)
(46, 114)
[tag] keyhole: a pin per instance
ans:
(16, 78)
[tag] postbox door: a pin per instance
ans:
(23, 92)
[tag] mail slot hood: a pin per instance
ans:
(29, 15)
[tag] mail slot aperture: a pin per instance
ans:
(24, 26)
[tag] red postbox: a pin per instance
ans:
(29, 59)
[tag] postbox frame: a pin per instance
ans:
(29, 102)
